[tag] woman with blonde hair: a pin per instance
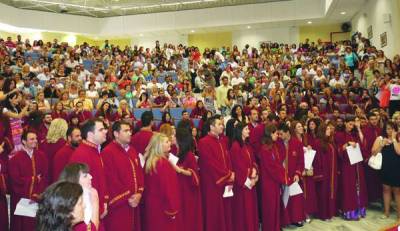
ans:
(170, 132)
(55, 140)
(162, 198)
(123, 111)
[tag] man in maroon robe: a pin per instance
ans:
(253, 119)
(294, 167)
(142, 138)
(63, 155)
(216, 178)
(124, 178)
(44, 127)
(88, 152)
(28, 178)
(371, 132)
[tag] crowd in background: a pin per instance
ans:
(319, 95)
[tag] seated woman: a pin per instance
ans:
(65, 200)
(143, 101)
(43, 103)
(198, 111)
(123, 111)
(59, 112)
(105, 112)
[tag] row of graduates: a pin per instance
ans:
(195, 195)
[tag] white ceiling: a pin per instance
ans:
(109, 8)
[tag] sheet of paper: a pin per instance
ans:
(247, 183)
(173, 159)
(309, 155)
(142, 160)
(295, 189)
(354, 154)
(26, 208)
(228, 191)
(285, 195)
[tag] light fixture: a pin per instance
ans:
(309, 22)
(343, 13)
(248, 27)
(141, 35)
(192, 31)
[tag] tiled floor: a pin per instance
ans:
(372, 222)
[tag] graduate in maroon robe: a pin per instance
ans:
(88, 152)
(28, 178)
(189, 183)
(273, 176)
(55, 140)
(3, 189)
(352, 180)
(142, 138)
(162, 196)
(80, 113)
(244, 203)
(294, 167)
(124, 177)
(216, 177)
(44, 128)
(62, 156)
(373, 180)
(325, 166)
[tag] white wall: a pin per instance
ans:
(254, 37)
(373, 14)
(149, 40)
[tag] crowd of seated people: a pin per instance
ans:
(322, 82)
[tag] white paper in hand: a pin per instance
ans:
(354, 154)
(309, 155)
(26, 208)
(295, 189)
(228, 191)
(173, 159)
(247, 183)
(142, 160)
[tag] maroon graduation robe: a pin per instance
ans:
(162, 198)
(50, 149)
(244, 203)
(61, 159)
(273, 177)
(294, 165)
(310, 194)
(84, 227)
(28, 179)
(140, 140)
(124, 177)
(351, 175)
(215, 171)
(326, 167)
(189, 187)
(3, 192)
(255, 138)
(88, 153)
(372, 177)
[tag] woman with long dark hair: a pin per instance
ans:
(272, 155)
(61, 208)
(238, 114)
(326, 168)
(189, 182)
(105, 111)
(198, 111)
(244, 204)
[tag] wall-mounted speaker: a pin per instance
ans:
(346, 27)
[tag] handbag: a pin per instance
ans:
(375, 162)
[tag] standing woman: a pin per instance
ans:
(273, 177)
(14, 114)
(55, 140)
(352, 182)
(161, 197)
(244, 204)
(388, 144)
(189, 182)
(326, 167)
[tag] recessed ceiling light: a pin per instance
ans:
(141, 35)
(343, 12)
(309, 22)
(192, 31)
(248, 27)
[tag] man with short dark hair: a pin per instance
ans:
(63, 155)
(142, 138)
(94, 135)
(217, 177)
(27, 170)
(124, 178)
